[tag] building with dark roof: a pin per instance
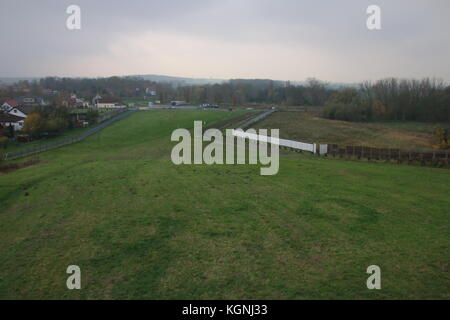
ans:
(7, 120)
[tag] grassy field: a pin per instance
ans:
(15, 146)
(305, 127)
(140, 227)
(18, 146)
(140, 102)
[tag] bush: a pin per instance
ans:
(350, 111)
(442, 138)
(34, 125)
(4, 141)
(55, 126)
(344, 112)
(92, 116)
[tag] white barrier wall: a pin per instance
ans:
(311, 147)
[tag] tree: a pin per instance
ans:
(92, 116)
(55, 126)
(34, 125)
(442, 137)
(316, 92)
(4, 141)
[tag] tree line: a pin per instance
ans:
(232, 92)
(392, 99)
(386, 99)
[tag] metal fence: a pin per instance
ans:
(256, 119)
(106, 120)
(437, 157)
(290, 144)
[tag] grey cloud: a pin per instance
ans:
(413, 41)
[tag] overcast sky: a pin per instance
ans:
(277, 39)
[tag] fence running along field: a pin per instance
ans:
(256, 119)
(311, 147)
(106, 120)
(435, 157)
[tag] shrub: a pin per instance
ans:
(342, 111)
(92, 116)
(442, 138)
(56, 125)
(4, 141)
(34, 125)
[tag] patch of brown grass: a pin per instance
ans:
(306, 127)
(16, 166)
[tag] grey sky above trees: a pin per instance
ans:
(284, 40)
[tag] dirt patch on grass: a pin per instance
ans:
(110, 282)
(5, 168)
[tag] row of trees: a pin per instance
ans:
(386, 99)
(239, 92)
(52, 121)
(232, 92)
(392, 99)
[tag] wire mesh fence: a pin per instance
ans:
(436, 157)
(105, 120)
(256, 119)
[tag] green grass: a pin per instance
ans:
(140, 102)
(15, 146)
(305, 127)
(18, 146)
(140, 227)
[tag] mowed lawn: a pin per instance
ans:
(140, 227)
(306, 127)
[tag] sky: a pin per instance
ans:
(276, 39)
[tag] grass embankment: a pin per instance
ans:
(15, 146)
(140, 227)
(18, 146)
(389, 134)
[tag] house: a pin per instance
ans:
(22, 111)
(108, 104)
(30, 101)
(13, 107)
(8, 105)
(96, 99)
(76, 102)
(150, 91)
(47, 92)
(7, 120)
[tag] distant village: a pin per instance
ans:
(15, 110)
(28, 114)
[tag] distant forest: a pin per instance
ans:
(386, 99)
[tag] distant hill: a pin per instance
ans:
(12, 80)
(178, 80)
